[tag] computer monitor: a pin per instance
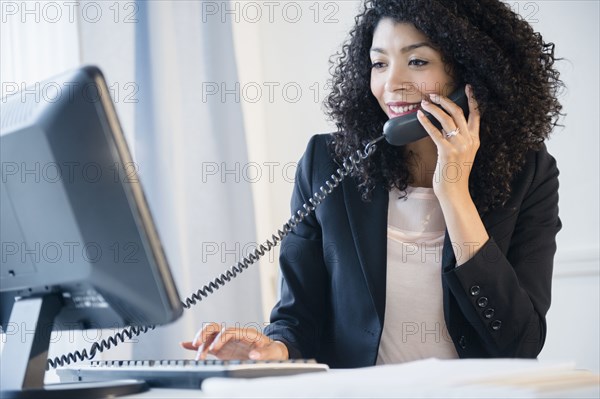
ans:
(79, 247)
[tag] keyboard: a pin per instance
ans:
(184, 373)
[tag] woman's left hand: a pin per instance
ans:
(456, 153)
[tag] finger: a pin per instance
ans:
(202, 351)
(456, 113)
(274, 350)
(206, 333)
(446, 120)
(204, 339)
(224, 336)
(248, 336)
(205, 347)
(474, 114)
(433, 132)
(188, 345)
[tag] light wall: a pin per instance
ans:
(283, 71)
(295, 54)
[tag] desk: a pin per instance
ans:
(467, 378)
(155, 393)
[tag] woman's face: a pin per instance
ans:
(405, 68)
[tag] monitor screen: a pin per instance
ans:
(76, 233)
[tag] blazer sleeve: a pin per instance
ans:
(505, 295)
(297, 318)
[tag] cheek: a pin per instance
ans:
(377, 87)
(443, 82)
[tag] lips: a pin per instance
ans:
(399, 109)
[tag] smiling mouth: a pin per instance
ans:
(397, 110)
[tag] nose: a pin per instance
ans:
(397, 81)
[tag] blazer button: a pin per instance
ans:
(482, 302)
(462, 342)
(475, 290)
(496, 324)
(488, 313)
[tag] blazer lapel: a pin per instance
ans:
(368, 222)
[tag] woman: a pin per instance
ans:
(439, 248)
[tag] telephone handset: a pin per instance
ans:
(407, 128)
(397, 131)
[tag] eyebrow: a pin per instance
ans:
(404, 49)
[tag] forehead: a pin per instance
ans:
(389, 33)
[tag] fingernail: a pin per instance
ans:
(199, 352)
(434, 97)
(420, 113)
(425, 102)
(219, 335)
(196, 338)
(254, 355)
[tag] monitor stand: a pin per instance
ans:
(25, 354)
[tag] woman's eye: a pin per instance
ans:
(417, 62)
(376, 65)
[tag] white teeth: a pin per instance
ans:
(399, 110)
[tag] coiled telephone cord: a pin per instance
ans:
(348, 166)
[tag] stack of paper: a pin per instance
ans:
(465, 378)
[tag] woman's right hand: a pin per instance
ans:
(235, 343)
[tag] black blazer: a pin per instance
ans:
(333, 265)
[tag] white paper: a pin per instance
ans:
(423, 378)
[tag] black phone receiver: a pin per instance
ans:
(407, 128)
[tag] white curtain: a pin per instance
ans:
(191, 152)
(159, 57)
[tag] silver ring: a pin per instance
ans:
(452, 133)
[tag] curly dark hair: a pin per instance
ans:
(485, 44)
